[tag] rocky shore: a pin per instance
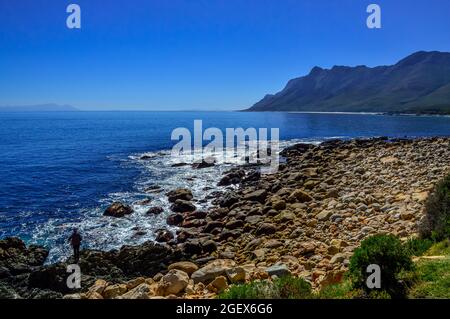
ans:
(304, 220)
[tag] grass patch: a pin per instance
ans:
(440, 249)
(433, 279)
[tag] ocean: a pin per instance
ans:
(60, 170)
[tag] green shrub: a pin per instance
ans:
(418, 246)
(292, 288)
(281, 288)
(341, 290)
(436, 223)
(388, 253)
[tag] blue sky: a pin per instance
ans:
(197, 54)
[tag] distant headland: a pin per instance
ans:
(39, 108)
(418, 84)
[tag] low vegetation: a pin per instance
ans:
(388, 252)
(286, 287)
(432, 276)
(436, 224)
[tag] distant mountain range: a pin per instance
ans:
(420, 83)
(39, 108)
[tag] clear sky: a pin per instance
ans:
(197, 54)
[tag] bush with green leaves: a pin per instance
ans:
(418, 246)
(436, 223)
(286, 287)
(390, 255)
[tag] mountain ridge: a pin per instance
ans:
(419, 83)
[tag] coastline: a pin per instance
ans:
(306, 220)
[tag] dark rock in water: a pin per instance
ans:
(229, 199)
(146, 157)
(174, 219)
(154, 211)
(257, 196)
(232, 177)
(164, 235)
(144, 201)
(118, 209)
(182, 206)
(179, 164)
(153, 189)
(139, 233)
(180, 193)
(204, 164)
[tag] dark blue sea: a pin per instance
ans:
(60, 170)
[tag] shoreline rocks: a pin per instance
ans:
(304, 220)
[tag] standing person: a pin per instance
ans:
(75, 240)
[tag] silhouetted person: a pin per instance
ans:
(75, 240)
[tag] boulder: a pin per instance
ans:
(278, 270)
(98, 287)
(236, 275)
(229, 199)
(154, 211)
(180, 193)
(118, 210)
(114, 291)
(164, 236)
(266, 229)
(133, 283)
(209, 246)
(279, 205)
(299, 196)
(256, 196)
(174, 282)
(143, 291)
(212, 270)
(219, 284)
(182, 206)
(338, 258)
(324, 215)
(174, 219)
(233, 224)
(186, 266)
